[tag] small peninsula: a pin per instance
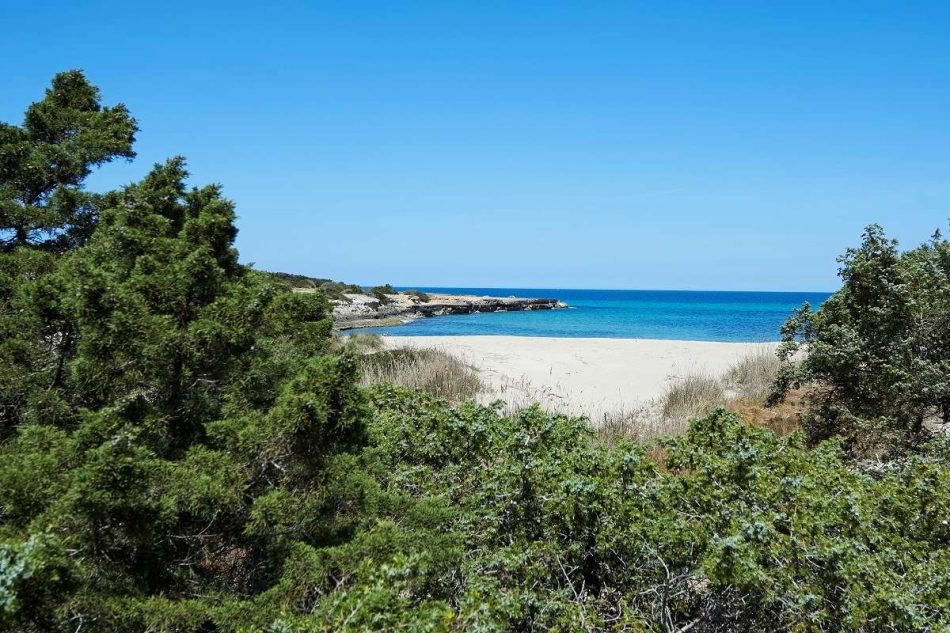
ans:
(356, 310)
(382, 306)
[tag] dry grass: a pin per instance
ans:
(358, 343)
(641, 425)
(519, 394)
(692, 396)
(433, 371)
(753, 376)
(743, 389)
(783, 418)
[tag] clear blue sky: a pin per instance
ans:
(551, 144)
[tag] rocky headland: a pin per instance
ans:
(367, 310)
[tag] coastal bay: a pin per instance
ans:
(685, 315)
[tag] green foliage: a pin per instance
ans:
(174, 426)
(32, 573)
(878, 350)
(382, 293)
(44, 161)
(740, 530)
(418, 294)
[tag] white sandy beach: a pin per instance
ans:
(583, 375)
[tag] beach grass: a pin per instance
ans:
(436, 372)
(744, 389)
(753, 376)
(358, 343)
(692, 396)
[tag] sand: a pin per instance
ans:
(589, 376)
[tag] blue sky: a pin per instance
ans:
(726, 145)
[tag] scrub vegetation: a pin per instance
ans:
(184, 446)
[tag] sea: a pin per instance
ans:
(691, 315)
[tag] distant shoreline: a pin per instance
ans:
(628, 314)
(362, 310)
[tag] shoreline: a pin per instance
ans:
(387, 335)
(360, 310)
(588, 376)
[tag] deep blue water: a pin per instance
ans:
(658, 314)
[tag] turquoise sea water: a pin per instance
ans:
(658, 314)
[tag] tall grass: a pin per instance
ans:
(358, 343)
(434, 371)
(744, 388)
(641, 424)
(692, 396)
(753, 376)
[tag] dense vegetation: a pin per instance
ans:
(878, 351)
(184, 448)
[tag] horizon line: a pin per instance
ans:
(423, 286)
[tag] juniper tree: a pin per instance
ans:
(44, 161)
(165, 409)
(45, 211)
(877, 352)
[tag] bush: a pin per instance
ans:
(176, 436)
(335, 290)
(737, 530)
(878, 350)
(382, 293)
(418, 294)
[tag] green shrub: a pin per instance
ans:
(335, 290)
(418, 294)
(736, 530)
(878, 350)
(382, 293)
(175, 432)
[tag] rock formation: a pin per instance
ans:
(363, 310)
